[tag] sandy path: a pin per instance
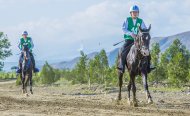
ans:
(52, 101)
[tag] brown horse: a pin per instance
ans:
(137, 63)
(26, 70)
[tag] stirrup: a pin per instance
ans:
(120, 69)
(36, 70)
(152, 67)
(18, 71)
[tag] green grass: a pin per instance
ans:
(167, 89)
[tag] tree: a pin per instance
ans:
(47, 75)
(177, 57)
(81, 68)
(90, 71)
(178, 69)
(155, 51)
(4, 48)
(179, 63)
(104, 66)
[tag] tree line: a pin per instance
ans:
(172, 67)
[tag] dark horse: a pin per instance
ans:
(26, 70)
(137, 63)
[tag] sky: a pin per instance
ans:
(61, 28)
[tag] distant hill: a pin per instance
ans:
(71, 64)
(164, 42)
(167, 41)
(8, 65)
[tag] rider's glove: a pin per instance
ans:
(30, 49)
(133, 35)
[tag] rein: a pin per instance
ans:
(138, 45)
(26, 61)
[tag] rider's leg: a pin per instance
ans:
(33, 63)
(20, 63)
(125, 50)
(120, 65)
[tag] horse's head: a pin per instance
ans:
(26, 52)
(26, 58)
(143, 40)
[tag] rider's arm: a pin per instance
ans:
(19, 45)
(125, 28)
(32, 44)
(143, 26)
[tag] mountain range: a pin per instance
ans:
(164, 42)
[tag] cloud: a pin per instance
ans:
(166, 17)
(89, 26)
(98, 26)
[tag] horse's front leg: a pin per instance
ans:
(30, 77)
(132, 78)
(21, 77)
(120, 84)
(22, 81)
(129, 89)
(148, 96)
(26, 83)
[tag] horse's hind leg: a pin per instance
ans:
(132, 77)
(149, 98)
(25, 84)
(31, 84)
(120, 84)
(129, 89)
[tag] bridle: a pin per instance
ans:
(26, 59)
(140, 45)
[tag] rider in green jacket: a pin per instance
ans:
(25, 40)
(130, 29)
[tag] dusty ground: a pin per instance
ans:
(73, 100)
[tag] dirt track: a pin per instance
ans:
(61, 101)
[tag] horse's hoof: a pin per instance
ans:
(31, 92)
(26, 94)
(117, 102)
(150, 101)
(129, 102)
(23, 92)
(135, 104)
(119, 98)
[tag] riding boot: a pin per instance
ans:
(123, 55)
(19, 68)
(150, 67)
(120, 64)
(20, 64)
(34, 63)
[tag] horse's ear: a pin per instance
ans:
(149, 27)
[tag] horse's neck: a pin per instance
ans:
(134, 50)
(135, 53)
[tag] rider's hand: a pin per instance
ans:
(133, 35)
